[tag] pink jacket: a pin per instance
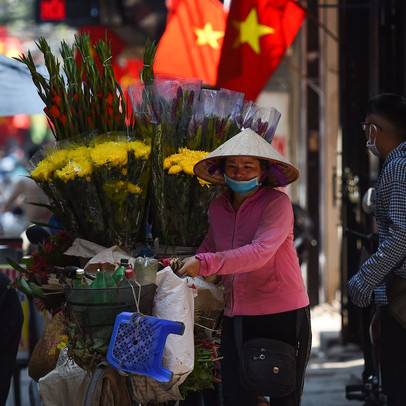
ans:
(253, 252)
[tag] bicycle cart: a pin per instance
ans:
(132, 357)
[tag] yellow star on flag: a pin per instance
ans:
(250, 31)
(208, 36)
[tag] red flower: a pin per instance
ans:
(62, 119)
(48, 255)
(57, 100)
(109, 99)
(109, 110)
(54, 111)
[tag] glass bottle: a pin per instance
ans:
(119, 273)
(129, 279)
(80, 281)
(103, 277)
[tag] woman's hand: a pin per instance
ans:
(191, 267)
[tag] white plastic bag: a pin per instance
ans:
(173, 301)
(65, 385)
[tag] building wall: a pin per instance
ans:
(330, 141)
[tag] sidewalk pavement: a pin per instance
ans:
(331, 365)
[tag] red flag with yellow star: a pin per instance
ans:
(257, 35)
(191, 44)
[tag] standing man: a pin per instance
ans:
(385, 130)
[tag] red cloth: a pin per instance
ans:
(258, 33)
(191, 44)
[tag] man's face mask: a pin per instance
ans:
(371, 143)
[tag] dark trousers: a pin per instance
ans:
(11, 321)
(393, 359)
(280, 326)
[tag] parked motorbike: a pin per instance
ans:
(370, 390)
(303, 232)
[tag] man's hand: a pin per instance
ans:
(191, 267)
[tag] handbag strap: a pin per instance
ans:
(238, 330)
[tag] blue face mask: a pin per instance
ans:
(242, 187)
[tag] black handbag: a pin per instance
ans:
(267, 366)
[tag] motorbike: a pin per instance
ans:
(370, 390)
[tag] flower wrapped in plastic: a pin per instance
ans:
(97, 190)
(168, 102)
(262, 120)
(73, 187)
(42, 168)
(121, 174)
(184, 218)
(166, 106)
(214, 118)
(80, 99)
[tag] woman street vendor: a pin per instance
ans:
(249, 245)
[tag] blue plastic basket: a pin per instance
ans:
(138, 342)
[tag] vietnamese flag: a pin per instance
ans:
(191, 44)
(257, 35)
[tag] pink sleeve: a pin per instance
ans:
(275, 225)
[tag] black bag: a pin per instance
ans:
(396, 291)
(267, 366)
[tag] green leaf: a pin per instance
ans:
(47, 206)
(36, 290)
(38, 223)
(16, 266)
(24, 286)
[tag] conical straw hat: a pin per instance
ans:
(247, 143)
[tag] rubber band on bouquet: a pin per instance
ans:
(137, 300)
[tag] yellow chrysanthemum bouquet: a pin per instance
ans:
(99, 189)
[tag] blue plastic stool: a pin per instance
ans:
(137, 344)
